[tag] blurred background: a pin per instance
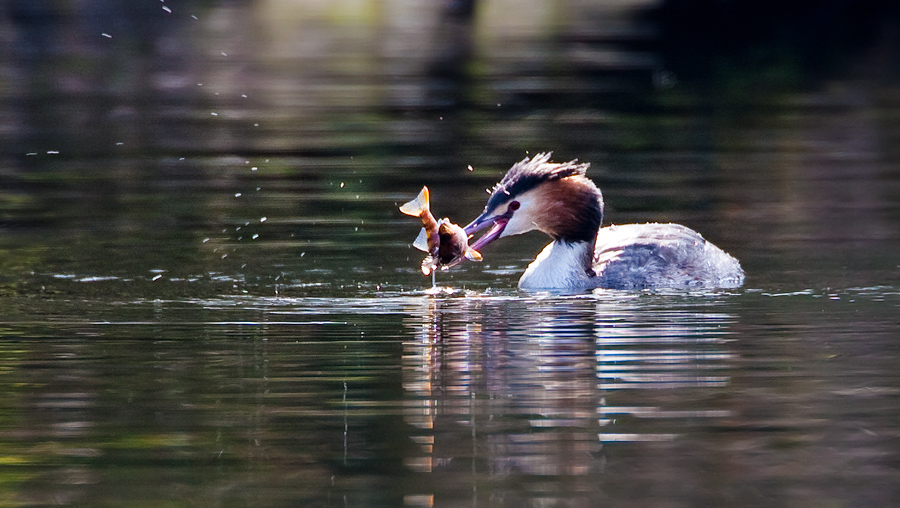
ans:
(209, 298)
(137, 130)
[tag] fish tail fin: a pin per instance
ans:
(473, 255)
(421, 242)
(419, 206)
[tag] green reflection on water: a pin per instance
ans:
(225, 310)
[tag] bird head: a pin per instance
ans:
(536, 194)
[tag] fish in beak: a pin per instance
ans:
(446, 243)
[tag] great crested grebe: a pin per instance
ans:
(559, 200)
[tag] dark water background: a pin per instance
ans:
(209, 298)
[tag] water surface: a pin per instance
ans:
(209, 297)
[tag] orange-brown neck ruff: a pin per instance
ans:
(569, 209)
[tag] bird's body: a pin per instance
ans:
(634, 256)
(559, 200)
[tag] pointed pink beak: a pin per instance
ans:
(498, 222)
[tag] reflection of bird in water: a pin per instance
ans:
(515, 398)
(559, 200)
(509, 395)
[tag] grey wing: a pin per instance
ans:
(661, 256)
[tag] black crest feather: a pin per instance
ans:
(529, 173)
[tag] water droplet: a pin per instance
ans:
(157, 276)
(214, 113)
(167, 9)
(342, 183)
(470, 168)
(205, 240)
(263, 219)
(255, 236)
(237, 194)
(104, 34)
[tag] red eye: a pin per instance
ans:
(514, 206)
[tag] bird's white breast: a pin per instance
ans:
(561, 265)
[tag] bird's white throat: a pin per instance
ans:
(561, 265)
